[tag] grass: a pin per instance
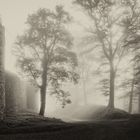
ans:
(29, 126)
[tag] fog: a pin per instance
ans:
(85, 96)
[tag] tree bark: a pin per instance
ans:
(43, 88)
(43, 100)
(2, 79)
(112, 85)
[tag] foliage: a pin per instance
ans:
(46, 46)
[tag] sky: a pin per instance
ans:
(14, 13)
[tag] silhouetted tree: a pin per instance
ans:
(44, 53)
(2, 78)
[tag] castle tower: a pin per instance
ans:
(2, 79)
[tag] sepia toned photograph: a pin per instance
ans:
(69, 70)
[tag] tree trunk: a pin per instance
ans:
(84, 91)
(84, 76)
(131, 97)
(139, 103)
(2, 79)
(112, 85)
(43, 100)
(43, 88)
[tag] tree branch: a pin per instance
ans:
(32, 74)
(36, 53)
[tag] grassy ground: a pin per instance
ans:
(27, 126)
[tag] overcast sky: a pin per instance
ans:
(14, 14)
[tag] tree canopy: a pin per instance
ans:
(44, 52)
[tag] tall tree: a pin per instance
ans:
(2, 79)
(132, 24)
(108, 33)
(44, 53)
